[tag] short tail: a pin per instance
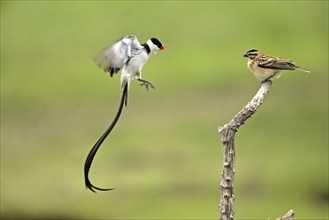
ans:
(302, 69)
(93, 151)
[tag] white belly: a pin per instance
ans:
(262, 73)
(134, 67)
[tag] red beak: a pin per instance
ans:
(162, 47)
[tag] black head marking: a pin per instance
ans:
(252, 53)
(156, 42)
(252, 50)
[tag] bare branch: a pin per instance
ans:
(227, 137)
(289, 216)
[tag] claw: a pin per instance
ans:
(146, 84)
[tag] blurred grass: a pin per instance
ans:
(164, 156)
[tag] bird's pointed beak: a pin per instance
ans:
(162, 47)
(245, 55)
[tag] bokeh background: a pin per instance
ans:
(164, 155)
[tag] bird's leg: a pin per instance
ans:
(146, 84)
(269, 78)
(266, 80)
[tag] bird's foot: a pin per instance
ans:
(269, 80)
(146, 83)
(266, 80)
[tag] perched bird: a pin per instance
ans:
(266, 67)
(130, 56)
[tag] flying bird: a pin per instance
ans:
(266, 67)
(130, 56)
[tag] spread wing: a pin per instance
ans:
(276, 63)
(112, 58)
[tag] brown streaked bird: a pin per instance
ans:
(266, 67)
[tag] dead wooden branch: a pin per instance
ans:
(289, 216)
(227, 137)
(227, 133)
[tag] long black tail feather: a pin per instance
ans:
(93, 151)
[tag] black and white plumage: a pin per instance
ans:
(130, 56)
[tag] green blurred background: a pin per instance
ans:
(164, 155)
